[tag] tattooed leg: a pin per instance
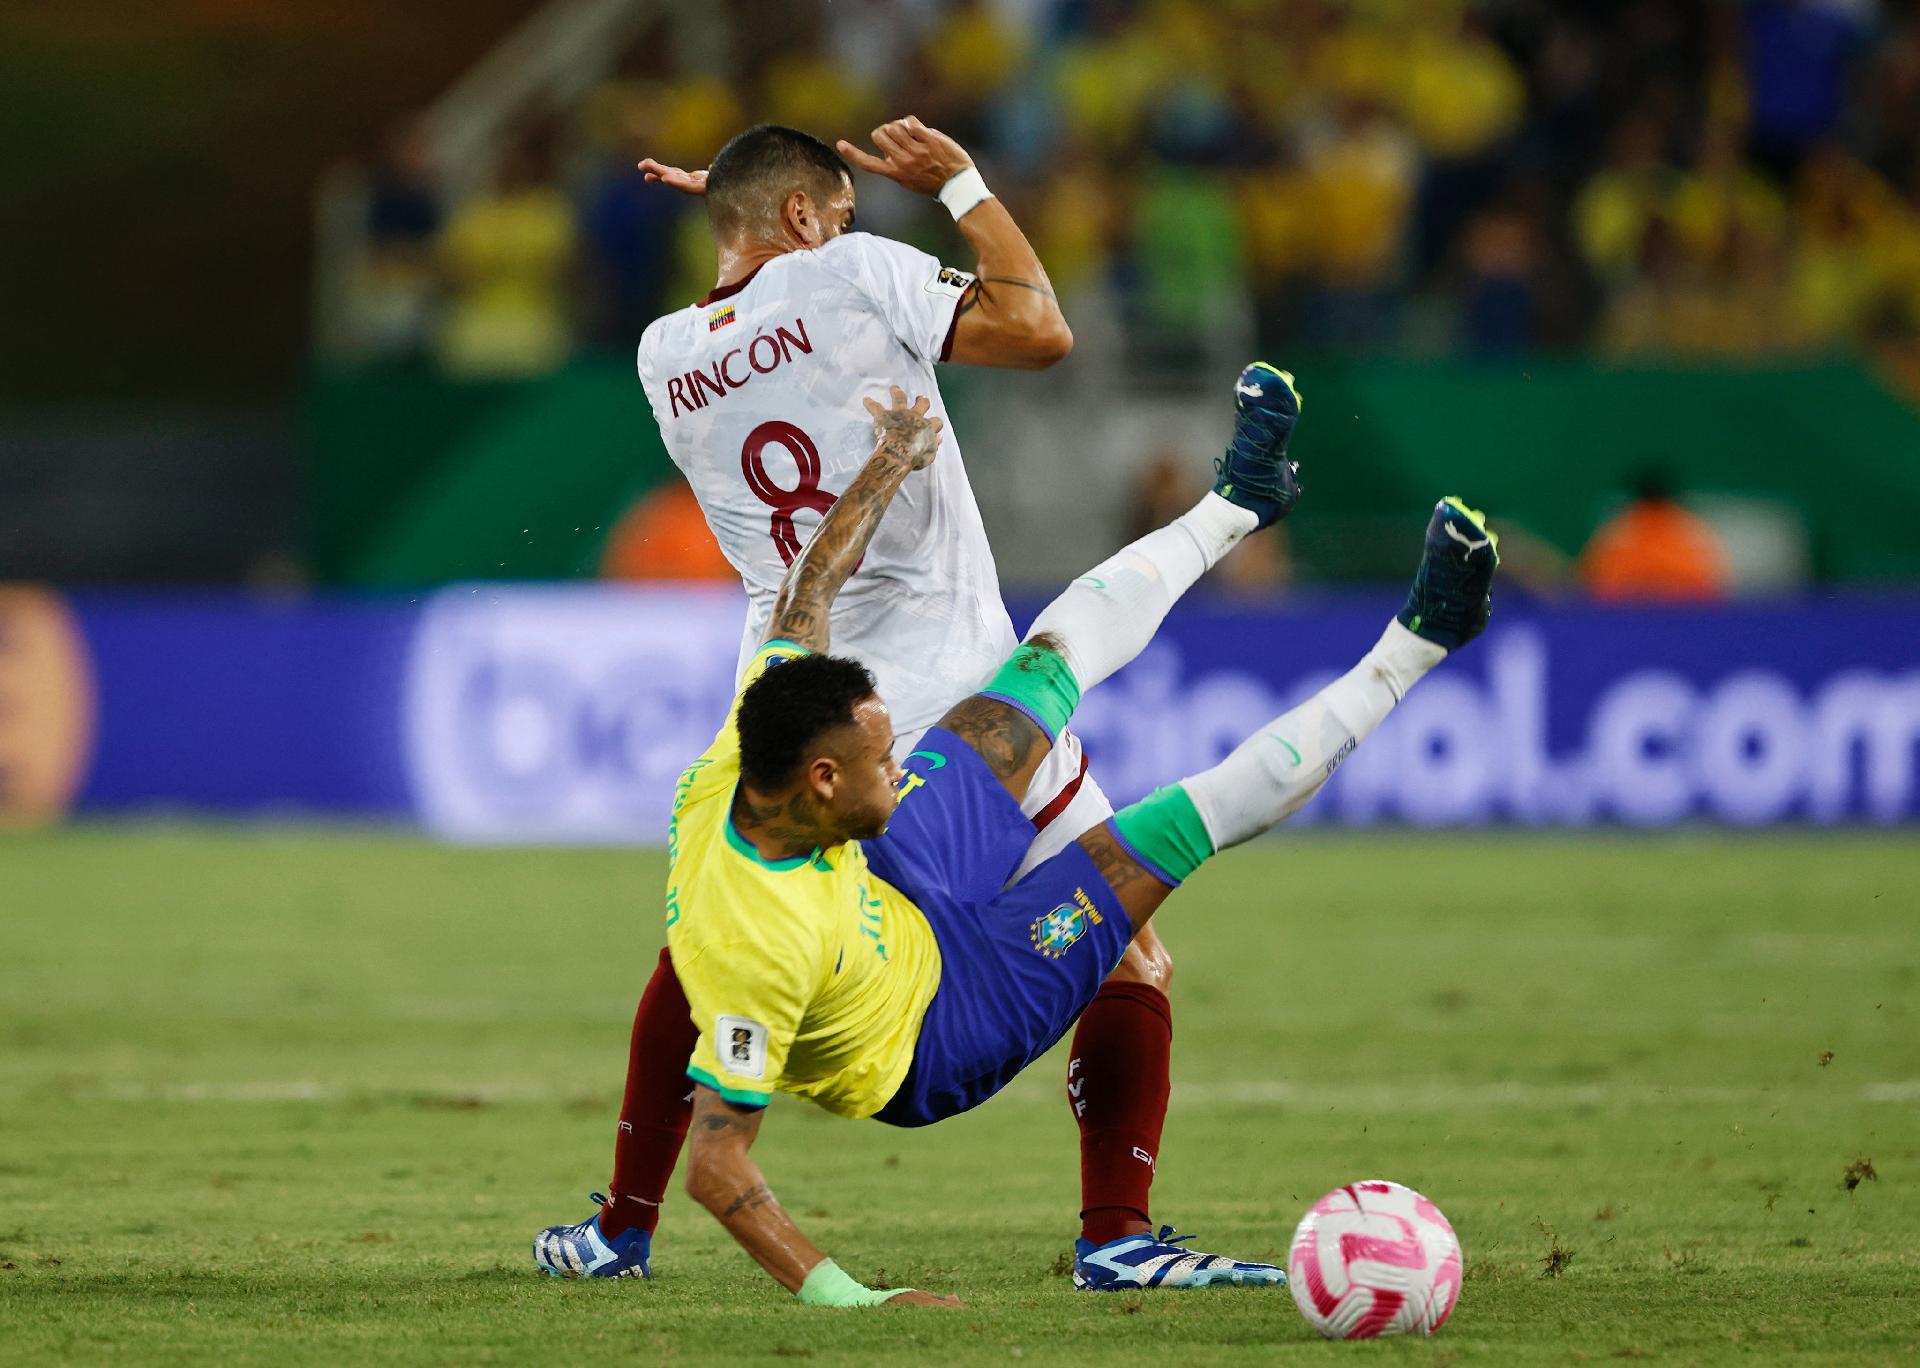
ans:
(1139, 892)
(1009, 741)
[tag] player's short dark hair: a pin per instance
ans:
(751, 177)
(785, 711)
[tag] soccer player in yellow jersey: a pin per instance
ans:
(843, 927)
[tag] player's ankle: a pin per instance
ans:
(621, 1213)
(1103, 1225)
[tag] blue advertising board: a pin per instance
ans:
(226, 703)
(1563, 716)
(500, 714)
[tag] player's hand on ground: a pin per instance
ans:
(922, 159)
(687, 182)
(923, 1299)
(907, 430)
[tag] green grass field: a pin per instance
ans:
(305, 1098)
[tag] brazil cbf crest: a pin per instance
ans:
(1054, 934)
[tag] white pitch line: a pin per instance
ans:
(1036, 1090)
(1391, 1097)
(1891, 1092)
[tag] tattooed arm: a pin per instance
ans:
(1009, 317)
(723, 1178)
(906, 440)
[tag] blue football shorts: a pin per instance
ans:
(1017, 965)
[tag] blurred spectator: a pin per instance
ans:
(629, 227)
(1105, 75)
(1077, 227)
(1568, 100)
(403, 200)
(393, 286)
(664, 536)
(1188, 251)
(1360, 177)
(806, 90)
(1653, 549)
(507, 254)
(1613, 210)
(1722, 200)
(1800, 52)
(1504, 253)
(1891, 103)
(1463, 99)
(870, 39)
(965, 63)
(974, 48)
(1852, 230)
(1463, 95)
(1697, 176)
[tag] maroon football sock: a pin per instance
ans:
(656, 1108)
(1117, 1084)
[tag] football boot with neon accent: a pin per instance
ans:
(1449, 603)
(1255, 472)
(581, 1251)
(1134, 1263)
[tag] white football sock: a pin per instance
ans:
(1272, 774)
(1107, 616)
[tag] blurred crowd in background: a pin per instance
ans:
(1721, 178)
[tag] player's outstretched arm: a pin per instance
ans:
(723, 1178)
(906, 438)
(1009, 317)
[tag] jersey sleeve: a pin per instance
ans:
(774, 653)
(917, 296)
(748, 1001)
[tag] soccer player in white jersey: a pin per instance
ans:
(758, 391)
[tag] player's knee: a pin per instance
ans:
(1047, 641)
(1147, 961)
(700, 1177)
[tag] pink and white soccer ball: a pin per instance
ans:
(1374, 1258)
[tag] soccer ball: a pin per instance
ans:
(1372, 1259)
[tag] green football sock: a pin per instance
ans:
(1165, 831)
(1038, 681)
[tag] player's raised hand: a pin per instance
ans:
(922, 1299)
(687, 182)
(922, 159)
(907, 430)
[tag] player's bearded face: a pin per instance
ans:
(863, 792)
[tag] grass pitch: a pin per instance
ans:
(306, 1098)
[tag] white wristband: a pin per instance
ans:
(964, 191)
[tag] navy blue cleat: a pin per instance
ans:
(1449, 603)
(1255, 472)
(581, 1251)
(1134, 1263)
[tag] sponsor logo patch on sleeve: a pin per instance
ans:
(949, 282)
(741, 1043)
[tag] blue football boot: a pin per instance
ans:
(580, 1251)
(1134, 1263)
(1449, 603)
(1255, 472)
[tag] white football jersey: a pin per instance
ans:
(758, 390)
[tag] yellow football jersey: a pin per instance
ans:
(808, 975)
